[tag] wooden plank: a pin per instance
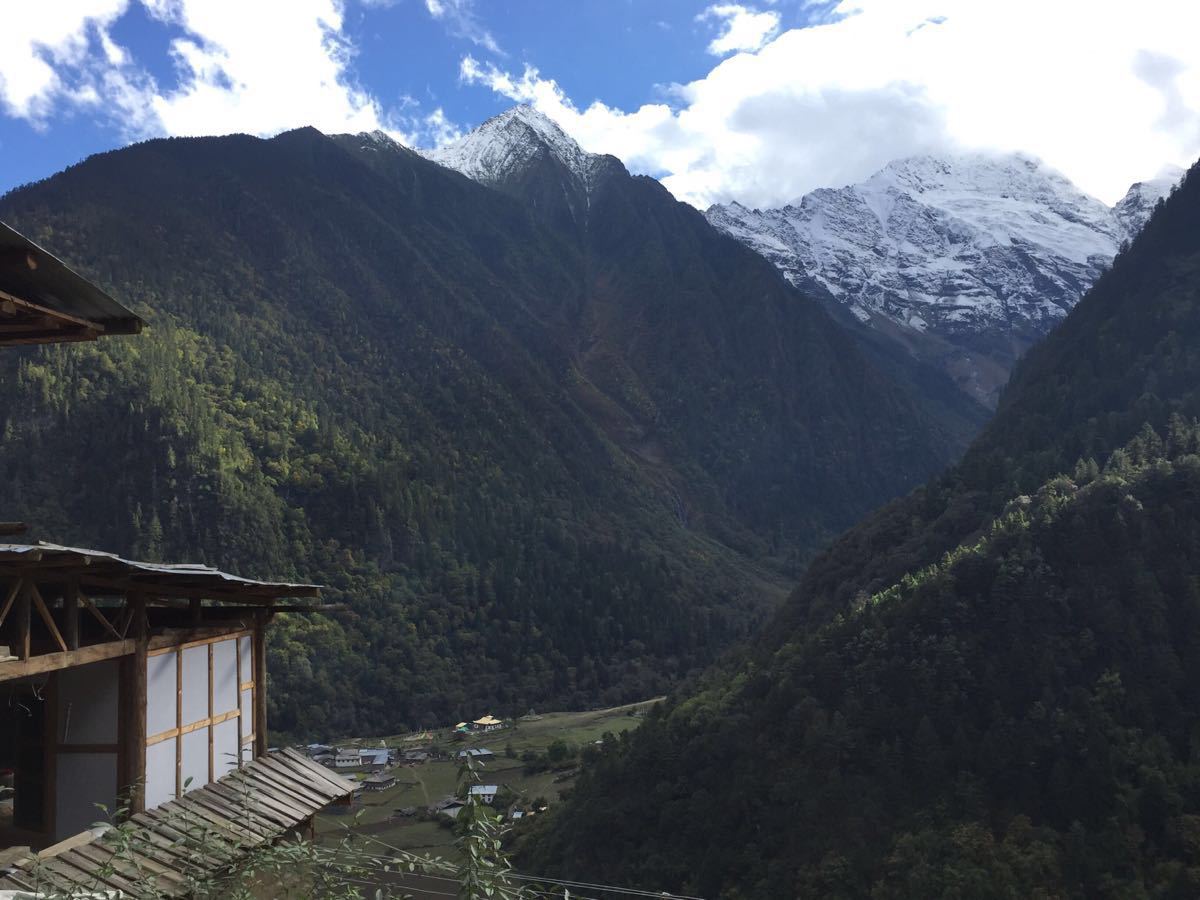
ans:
(241, 726)
(201, 824)
(103, 873)
(338, 790)
(318, 787)
(179, 722)
(269, 794)
(71, 615)
(91, 607)
(212, 634)
(275, 817)
(24, 605)
(343, 786)
(239, 810)
(52, 662)
(291, 785)
(75, 840)
(259, 639)
(169, 733)
(48, 619)
(145, 872)
(178, 835)
(212, 765)
(13, 593)
(70, 877)
(241, 824)
(137, 705)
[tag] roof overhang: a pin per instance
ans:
(43, 301)
(107, 573)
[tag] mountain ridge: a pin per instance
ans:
(984, 254)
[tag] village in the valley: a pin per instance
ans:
(410, 788)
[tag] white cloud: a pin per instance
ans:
(261, 68)
(1103, 93)
(255, 67)
(742, 28)
(40, 41)
(463, 22)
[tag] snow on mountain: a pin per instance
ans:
(1135, 207)
(964, 245)
(508, 145)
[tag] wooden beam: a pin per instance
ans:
(13, 593)
(52, 662)
(211, 764)
(71, 615)
(163, 643)
(8, 529)
(24, 605)
(137, 709)
(100, 617)
(48, 619)
(260, 683)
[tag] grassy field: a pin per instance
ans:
(425, 784)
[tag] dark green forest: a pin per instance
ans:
(541, 466)
(985, 689)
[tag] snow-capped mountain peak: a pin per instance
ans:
(1135, 207)
(507, 145)
(960, 244)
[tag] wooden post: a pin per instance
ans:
(212, 766)
(71, 615)
(24, 608)
(260, 682)
(136, 721)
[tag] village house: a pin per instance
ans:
(479, 754)
(487, 723)
(347, 758)
(380, 781)
(375, 757)
(127, 684)
(485, 793)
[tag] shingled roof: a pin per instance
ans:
(165, 851)
(176, 579)
(43, 301)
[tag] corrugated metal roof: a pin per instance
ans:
(203, 834)
(100, 564)
(32, 274)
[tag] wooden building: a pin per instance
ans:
(131, 685)
(124, 679)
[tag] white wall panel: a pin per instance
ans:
(225, 747)
(225, 677)
(195, 684)
(195, 759)
(247, 713)
(247, 659)
(160, 773)
(161, 693)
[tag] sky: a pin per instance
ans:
(758, 102)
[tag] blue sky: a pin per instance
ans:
(756, 101)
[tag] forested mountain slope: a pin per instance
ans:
(986, 689)
(538, 471)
